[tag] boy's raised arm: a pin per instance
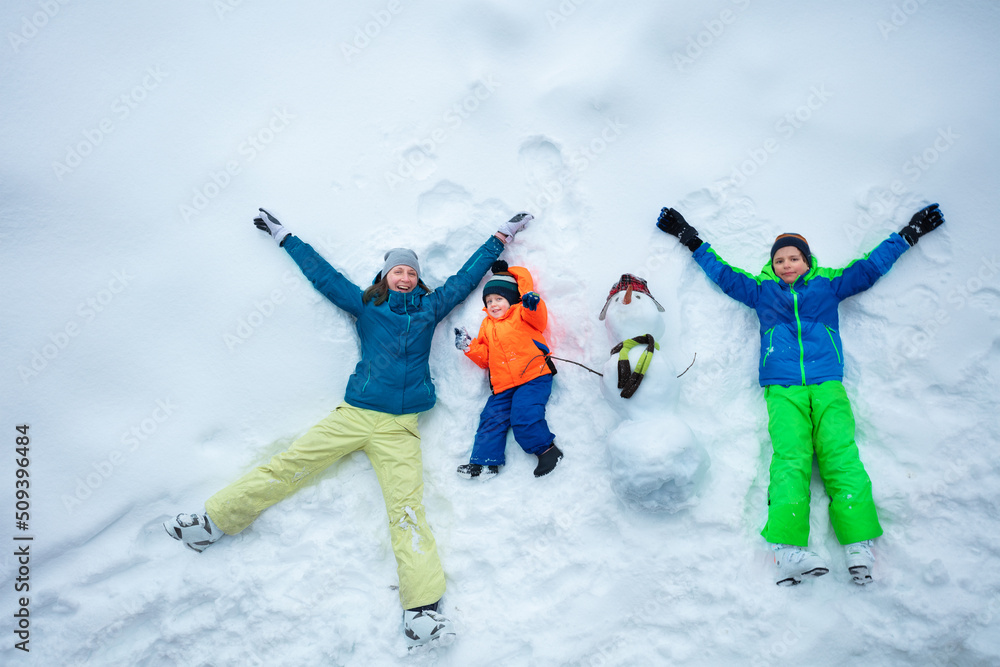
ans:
(737, 283)
(861, 274)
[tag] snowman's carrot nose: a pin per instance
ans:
(628, 296)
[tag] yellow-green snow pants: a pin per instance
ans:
(392, 443)
(801, 420)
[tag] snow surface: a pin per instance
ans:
(159, 346)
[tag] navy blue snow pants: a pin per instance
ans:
(521, 408)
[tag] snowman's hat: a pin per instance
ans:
(628, 283)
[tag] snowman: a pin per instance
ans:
(656, 462)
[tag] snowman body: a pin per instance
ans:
(657, 463)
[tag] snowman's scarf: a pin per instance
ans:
(628, 380)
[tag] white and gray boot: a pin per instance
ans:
(196, 531)
(427, 628)
(860, 561)
(795, 563)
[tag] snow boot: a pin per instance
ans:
(476, 471)
(426, 628)
(547, 460)
(196, 531)
(860, 561)
(794, 563)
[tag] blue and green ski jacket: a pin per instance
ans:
(799, 324)
(393, 374)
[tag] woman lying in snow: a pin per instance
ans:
(391, 385)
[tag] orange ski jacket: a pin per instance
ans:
(512, 348)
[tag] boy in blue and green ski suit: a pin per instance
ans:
(801, 369)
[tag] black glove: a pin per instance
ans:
(923, 221)
(673, 223)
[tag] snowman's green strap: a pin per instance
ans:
(628, 380)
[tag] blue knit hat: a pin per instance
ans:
(502, 284)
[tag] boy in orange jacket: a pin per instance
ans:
(512, 348)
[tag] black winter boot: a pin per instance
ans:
(547, 460)
(476, 471)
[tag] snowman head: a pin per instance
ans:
(631, 310)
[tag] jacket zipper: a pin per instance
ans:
(798, 324)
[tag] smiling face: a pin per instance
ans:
(496, 306)
(789, 264)
(402, 278)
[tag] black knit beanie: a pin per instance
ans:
(794, 240)
(502, 284)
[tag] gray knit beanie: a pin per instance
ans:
(400, 256)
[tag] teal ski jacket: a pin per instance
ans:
(393, 374)
(799, 323)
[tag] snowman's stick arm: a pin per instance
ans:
(577, 363)
(690, 365)
(570, 361)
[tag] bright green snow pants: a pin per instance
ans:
(801, 420)
(392, 443)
